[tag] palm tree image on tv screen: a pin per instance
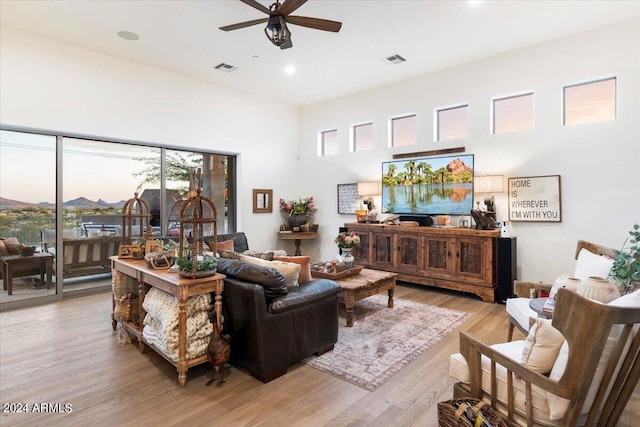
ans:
(428, 186)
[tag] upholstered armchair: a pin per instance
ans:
(592, 260)
(577, 369)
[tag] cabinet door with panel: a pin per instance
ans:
(362, 253)
(382, 250)
(437, 256)
(474, 260)
(408, 257)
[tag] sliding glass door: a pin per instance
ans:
(27, 206)
(95, 178)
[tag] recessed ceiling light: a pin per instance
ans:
(128, 35)
(290, 69)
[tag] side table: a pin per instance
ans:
(537, 304)
(17, 265)
(297, 236)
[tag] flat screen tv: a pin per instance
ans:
(428, 185)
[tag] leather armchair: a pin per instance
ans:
(273, 326)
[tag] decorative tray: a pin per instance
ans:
(333, 276)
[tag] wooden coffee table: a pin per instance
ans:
(366, 283)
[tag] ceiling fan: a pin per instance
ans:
(276, 29)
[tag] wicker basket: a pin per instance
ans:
(464, 413)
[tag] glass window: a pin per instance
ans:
(97, 177)
(329, 142)
(28, 207)
(403, 131)
(512, 113)
(362, 137)
(452, 123)
(590, 102)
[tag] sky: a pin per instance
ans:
(90, 169)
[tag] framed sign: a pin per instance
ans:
(262, 201)
(535, 199)
(348, 199)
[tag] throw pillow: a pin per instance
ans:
(542, 347)
(268, 255)
(305, 266)
(228, 254)
(3, 248)
(290, 271)
(13, 245)
(227, 245)
(590, 264)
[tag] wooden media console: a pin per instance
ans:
(461, 259)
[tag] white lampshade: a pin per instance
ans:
(373, 188)
(488, 184)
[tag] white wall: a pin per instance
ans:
(49, 85)
(598, 163)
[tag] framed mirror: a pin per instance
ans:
(262, 201)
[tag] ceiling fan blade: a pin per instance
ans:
(255, 4)
(289, 6)
(318, 24)
(244, 24)
(286, 45)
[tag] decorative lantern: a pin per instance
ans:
(198, 218)
(136, 221)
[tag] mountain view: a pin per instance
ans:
(79, 203)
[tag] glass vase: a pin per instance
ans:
(347, 257)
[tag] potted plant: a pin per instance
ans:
(205, 266)
(346, 242)
(297, 213)
(626, 263)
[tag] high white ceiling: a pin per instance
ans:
(182, 37)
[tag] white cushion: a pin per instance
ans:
(541, 346)
(519, 310)
(590, 264)
(459, 369)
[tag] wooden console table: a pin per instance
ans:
(455, 258)
(298, 236)
(182, 289)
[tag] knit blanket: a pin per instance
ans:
(161, 328)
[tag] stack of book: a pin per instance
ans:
(549, 306)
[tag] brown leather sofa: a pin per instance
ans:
(273, 326)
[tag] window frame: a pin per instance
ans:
(390, 128)
(353, 143)
(583, 83)
(436, 121)
(492, 118)
(321, 145)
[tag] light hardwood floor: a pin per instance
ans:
(67, 353)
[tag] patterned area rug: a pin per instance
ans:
(384, 340)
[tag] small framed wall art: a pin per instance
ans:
(535, 199)
(348, 199)
(262, 201)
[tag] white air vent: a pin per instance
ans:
(395, 59)
(225, 67)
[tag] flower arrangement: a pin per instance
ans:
(626, 263)
(300, 207)
(348, 240)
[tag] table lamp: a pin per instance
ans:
(366, 190)
(489, 184)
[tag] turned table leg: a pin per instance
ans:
(390, 303)
(182, 342)
(349, 302)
